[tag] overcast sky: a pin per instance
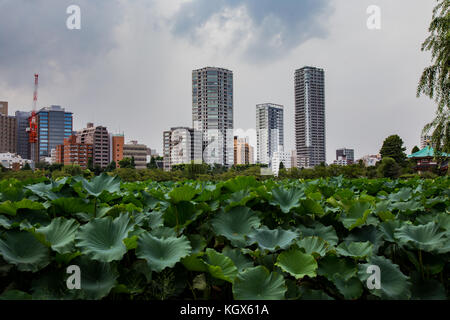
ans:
(129, 67)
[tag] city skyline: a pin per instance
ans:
(109, 83)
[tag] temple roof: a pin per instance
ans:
(427, 152)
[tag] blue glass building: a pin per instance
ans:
(54, 125)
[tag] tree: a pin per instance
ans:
(26, 167)
(98, 170)
(282, 165)
(90, 164)
(389, 168)
(435, 79)
(415, 149)
(126, 163)
(133, 164)
(111, 167)
(393, 148)
(152, 164)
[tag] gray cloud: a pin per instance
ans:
(34, 36)
(292, 21)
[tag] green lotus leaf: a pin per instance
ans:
(408, 207)
(236, 224)
(311, 294)
(326, 233)
(52, 285)
(403, 195)
(394, 284)
(351, 289)
(71, 206)
(181, 215)
(239, 199)
(220, 266)
(367, 233)
(5, 222)
(428, 289)
(161, 253)
(184, 193)
(423, 237)
(314, 245)
(60, 233)
(388, 229)
(259, 284)
(310, 206)
(356, 215)
(383, 210)
(24, 250)
(194, 262)
(164, 232)
(272, 240)
(11, 208)
(241, 183)
(332, 266)
(15, 295)
(198, 243)
(43, 190)
(97, 278)
(442, 219)
(101, 183)
(102, 238)
(297, 264)
(240, 260)
(357, 250)
(286, 199)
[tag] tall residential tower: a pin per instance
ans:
(310, 116)
(212, 113)
(269, 131)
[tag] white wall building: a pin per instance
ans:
(371, 160)
(7, 160)
(278, 157)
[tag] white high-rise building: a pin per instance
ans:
(269, 131)
(212, 113)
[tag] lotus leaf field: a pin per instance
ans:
(238, 239)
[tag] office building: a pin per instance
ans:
(97, 136)
(181, 146)
(23, 140)
(117, 143)
(54, 125)
(8, 130)
(73, 152)
(243, 151)
(310, 116)
(138, 151)
(269, 131)
(212, 113)
(345, 156)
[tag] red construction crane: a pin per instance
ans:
(33, 129)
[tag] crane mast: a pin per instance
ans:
(33, 130)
